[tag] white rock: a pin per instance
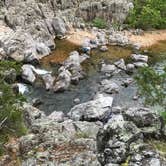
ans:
(139, 58)
(28, 74)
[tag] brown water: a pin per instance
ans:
(64, 47)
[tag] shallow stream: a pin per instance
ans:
(88, 87)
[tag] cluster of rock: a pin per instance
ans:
(94, 133)
(118, 66)
(28, 28)
(122, 138)
(70, 72)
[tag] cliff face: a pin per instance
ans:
(30, 26)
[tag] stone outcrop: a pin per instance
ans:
(57, 140)
(122, 138)
(110, 10)
(97, 109)
(28, 28)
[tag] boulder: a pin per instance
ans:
(120, 64)
(114, 139)
(28, 74)
(140, 64)
(48, 81)
(109, 87)
(31, 114)
(63, 80)
(59, 26)
(20, 88)
(108, 69)
(147, 120)
(118, 10)
(139, 58)
(97, 109)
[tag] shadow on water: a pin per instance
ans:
(88, 87)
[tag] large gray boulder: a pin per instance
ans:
(114, 139)
(146, 119)
(94, 110)
(28, 74)
(59, 26)
(63, 81)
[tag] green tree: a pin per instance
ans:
(11, 119)
(152, 86)
(148, 14)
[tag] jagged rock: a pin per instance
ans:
(109, 87)
(146, 119)
(108, 69)
(140, 64)
(31, 114)
(20, 88)
(48, 81)
(120, 64)
(139, 58)
(63, 80)
(28, 73)
(97, 109)
(59, 26)
(114, 139)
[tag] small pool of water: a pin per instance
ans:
(88, 87)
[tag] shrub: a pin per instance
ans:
(152, 85)
(148, 14)
(99, 23)
(11, 119)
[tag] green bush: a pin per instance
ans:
(99, 23)
(11, 119)
(148, 14)
(152, 85)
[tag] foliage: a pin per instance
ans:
(11, 120)
(99, 23)
(148, 14)
(152, 85)
(6, 65)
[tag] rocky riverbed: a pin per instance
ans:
(83, 106)
(94, 116)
